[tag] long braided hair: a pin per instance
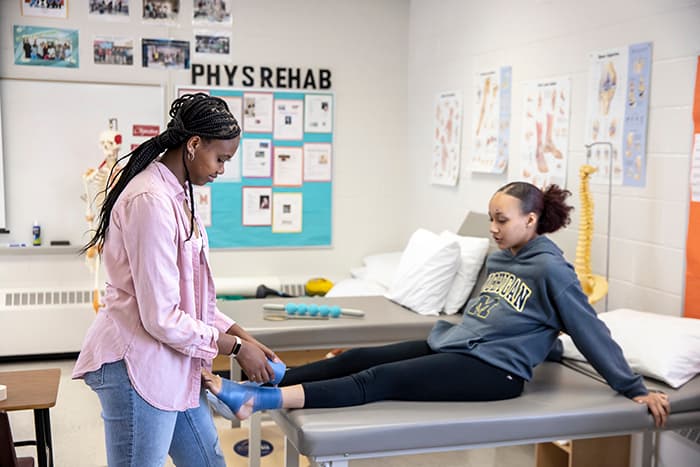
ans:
(191, 115)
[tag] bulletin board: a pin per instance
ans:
(277, 190)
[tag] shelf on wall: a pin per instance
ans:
(39, 250)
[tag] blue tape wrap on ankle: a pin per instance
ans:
(267, 398)
(234, 395)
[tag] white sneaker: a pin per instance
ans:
(219, 407)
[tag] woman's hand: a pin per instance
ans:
(253, 359)
(658, 405)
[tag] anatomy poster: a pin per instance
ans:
(545, 132)
(490, 138)
(636, 115)
(446, 145)
(616, 123)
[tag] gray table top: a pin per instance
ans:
(384, 322)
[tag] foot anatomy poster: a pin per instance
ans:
(618, 106)
(545, 132)
(447, 139)
(490, 136)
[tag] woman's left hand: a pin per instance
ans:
(658, 405)
(254, 362)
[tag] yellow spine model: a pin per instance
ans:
(594, 286)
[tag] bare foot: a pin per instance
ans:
(211, 381)
(214, 383)
(246, 410)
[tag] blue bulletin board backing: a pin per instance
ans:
(227, 230)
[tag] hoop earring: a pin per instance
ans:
(190, 156)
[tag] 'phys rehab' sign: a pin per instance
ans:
(262, 77)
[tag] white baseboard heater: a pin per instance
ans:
(45, 321)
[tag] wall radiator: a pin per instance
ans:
(37, 321)
(43, 321)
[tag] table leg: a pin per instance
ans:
(42, 429)
(254, 439)
(291, 455)
(235, 373)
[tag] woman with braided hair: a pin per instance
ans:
(159, 326)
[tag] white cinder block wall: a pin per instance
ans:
(450, 41)
(362, 42)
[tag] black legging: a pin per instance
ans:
(408, 371)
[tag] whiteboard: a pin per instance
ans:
(3, 219)
(50, 135)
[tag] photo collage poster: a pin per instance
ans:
(617, 117)
(490, 137)
(277, 189)
(52, 46)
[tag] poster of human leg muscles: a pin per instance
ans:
(490, 138)
(447, 139)
(545, 131)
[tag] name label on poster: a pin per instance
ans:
(260, 77)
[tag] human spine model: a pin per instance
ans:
(594, 286)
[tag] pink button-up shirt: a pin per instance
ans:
(160, 312)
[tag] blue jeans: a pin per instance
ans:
(140, 435)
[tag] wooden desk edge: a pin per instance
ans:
(45, 375)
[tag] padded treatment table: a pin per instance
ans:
(559, 403)
(385, 322)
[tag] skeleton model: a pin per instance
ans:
(95, 184)
(594, 286)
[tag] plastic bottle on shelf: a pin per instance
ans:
(36, 234)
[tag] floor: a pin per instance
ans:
(78, 434)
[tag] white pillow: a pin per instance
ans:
(359, 273)
(663, 347)
(355, 288)
(473, 253)
(382, 267)
(427, 268)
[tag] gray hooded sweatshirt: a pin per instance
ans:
(526, 301)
